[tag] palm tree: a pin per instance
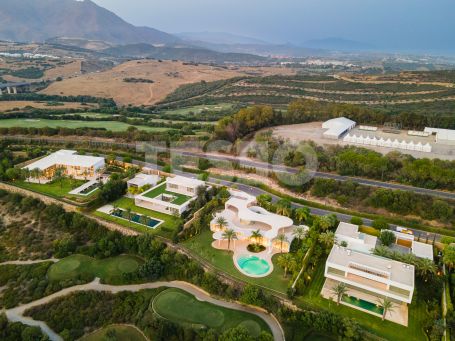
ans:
(339, 291)
(222, 223)
(128, 213)
(426, 268)
(144, 220)
(282, 239)
(327, 238)
(229, 234)
(302, 214)
(387, 305)
(299, 232)
(449, 256)
(256, 235)
(324, 223)
(286, 261)
(36, 173)
(59, 175)
(283, 207)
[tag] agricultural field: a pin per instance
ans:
(183, 308)
(167, 76)
(19, 105)
(42, 123)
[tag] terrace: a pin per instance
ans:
(160, 193)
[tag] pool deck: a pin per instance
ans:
(398, 315)
(240, 249)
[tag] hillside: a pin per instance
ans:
(39, 20)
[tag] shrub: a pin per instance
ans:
(380, 224)
(387, 237)
(356, 221)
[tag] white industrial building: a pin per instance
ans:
(336, 127)
(381, 142)
(443, 136)
(81, 167)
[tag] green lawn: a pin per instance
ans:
(121, 332)
(181, 307)
(166, 229)
(58, 189)
(41, 123)
(180, 199)
(110, 270)
(371, 323)
(202, 246)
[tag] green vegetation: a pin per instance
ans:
(167, 229)
(119, 332)
(42, 123)
(13, 331)
(418, 316)
(183, 308)
(109, 270)
(56, 188)
(30, 72)
(201, 245)
(179, 199)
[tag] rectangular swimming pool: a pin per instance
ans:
(136, 218)
(362, 304)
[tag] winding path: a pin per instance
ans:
(17, 314)
(28, 262)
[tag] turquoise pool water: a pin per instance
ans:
(253, 265)
(363, 304)
(151, 223)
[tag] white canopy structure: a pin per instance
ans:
(374, 141)
(336, 127)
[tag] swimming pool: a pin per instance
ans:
(136, 218)
(363, 304)
(253, 265)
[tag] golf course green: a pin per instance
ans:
(181, 307)
(109, 270)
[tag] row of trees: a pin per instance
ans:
(352, 194)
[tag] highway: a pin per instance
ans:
(280, 168)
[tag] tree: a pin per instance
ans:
(286, 261)
(302, 214)
(264, 200)
(229, 234)
(144, 220)
(356, 221)
(221, 222)
(59, 175)
(238, 333)
(387, 306)
(128, 213)
(449, 256)
(426, 269)
(299, 232)
(283, 207)
(257, 236)
(327, 238)
(282, 239)
(387, 237)
(339, 291)
(380, 224)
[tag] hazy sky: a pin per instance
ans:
(394, 24)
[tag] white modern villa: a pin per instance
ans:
(142, 179)
(81, 167)
(369, 278)
(242, 215)
(172, 196)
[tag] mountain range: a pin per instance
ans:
(39, 20)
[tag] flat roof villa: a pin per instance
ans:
(406, 243)
(355, 240)
(242, 215)
(141, 180)
(170, 197)
(81, 167)
(369, 278)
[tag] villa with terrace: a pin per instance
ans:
(80, 167)
(173, 196)
(368, 279)
(248, 221)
